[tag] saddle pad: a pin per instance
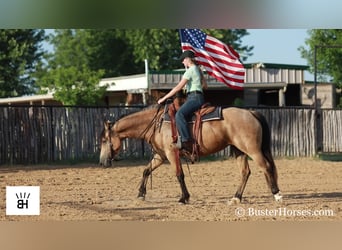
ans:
(215, 115)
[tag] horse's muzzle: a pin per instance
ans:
(106, 162)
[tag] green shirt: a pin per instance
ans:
(193, 76)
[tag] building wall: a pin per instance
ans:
(290, 76)
(326, 95)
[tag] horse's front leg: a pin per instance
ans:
(185, 193)
(152, 165)
(173, 157)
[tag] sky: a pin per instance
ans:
(277, 46)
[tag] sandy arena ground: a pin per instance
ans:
(312, 190)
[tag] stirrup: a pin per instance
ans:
(178, 143)
(189, 156)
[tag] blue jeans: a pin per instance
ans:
(193, 102)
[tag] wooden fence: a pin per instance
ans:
(332, 130)
(31, 135)
(292, 130)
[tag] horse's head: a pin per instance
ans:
(110, 144)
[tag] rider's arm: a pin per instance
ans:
(173, 91)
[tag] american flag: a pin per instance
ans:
(219, 60)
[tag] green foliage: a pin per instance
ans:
(68, 73)
(162, 46)
(75, 86)
(82, 57)
(339, 103)
(19, 55)
(238, 102)
(110, 51)
(329, 60)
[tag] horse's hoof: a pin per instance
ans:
(183, 201)
(234, 201)
(141, 198)
(278, 197)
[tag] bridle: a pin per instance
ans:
(153, 123)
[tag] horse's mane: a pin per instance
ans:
(152, 106)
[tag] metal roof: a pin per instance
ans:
(21, 99)
(275, 66)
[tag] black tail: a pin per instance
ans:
(266, 137)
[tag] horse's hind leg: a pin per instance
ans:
(152, 165)
(270, 172)
(242, 161)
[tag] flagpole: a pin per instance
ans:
(147, 82)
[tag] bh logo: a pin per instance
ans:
(22, 200)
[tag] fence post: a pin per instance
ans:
(52, 135)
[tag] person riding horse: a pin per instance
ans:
(194, 81)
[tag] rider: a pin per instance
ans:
(195, 83)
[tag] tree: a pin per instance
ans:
(123, 51)
(162, 46)
(77, 86)
(68, 74)
(92, 54)
(111, 52)
(20, 53)
(328, 59)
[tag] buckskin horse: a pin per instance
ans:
(246, 131)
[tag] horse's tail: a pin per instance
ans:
(266, 138)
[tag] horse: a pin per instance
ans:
(246, 131)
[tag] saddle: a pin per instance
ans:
(205, 113)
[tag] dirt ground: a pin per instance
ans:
(312, 190)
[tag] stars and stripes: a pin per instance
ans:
(220, 60)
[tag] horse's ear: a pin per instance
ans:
(108, 124)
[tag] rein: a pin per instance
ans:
(149, 126)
